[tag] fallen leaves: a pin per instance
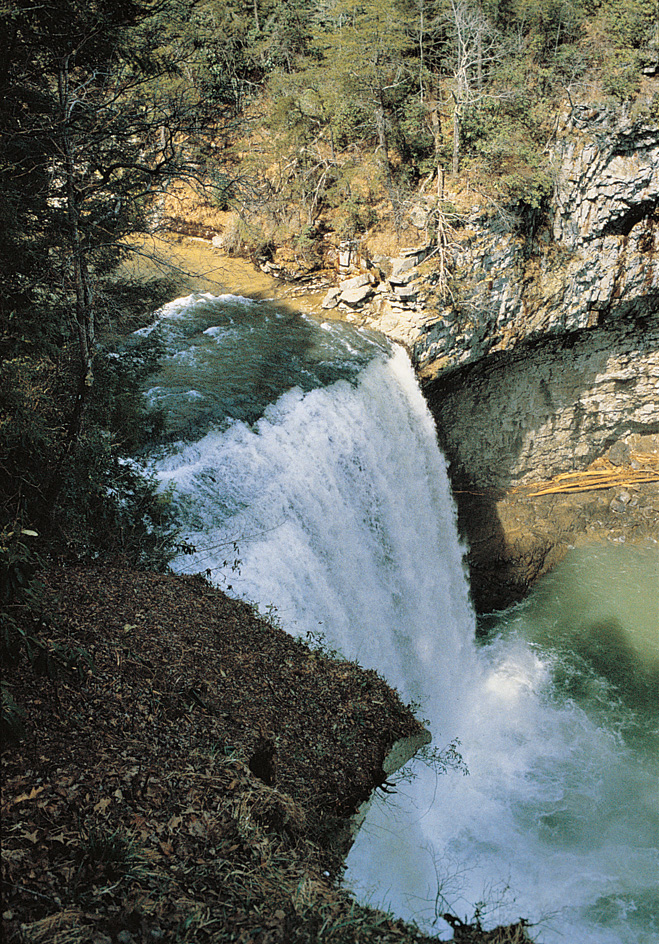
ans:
(129, 809)
(34, 792)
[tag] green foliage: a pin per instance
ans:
(548, 25)
(421, 84)
(19, 565)
(98, 116)
(103, 506)
(419, 142)
(625, 23)
(356, 217)
(318, 643)
(443, 759)
(394, 78)
(620, 75)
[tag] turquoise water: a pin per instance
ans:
(597, 616)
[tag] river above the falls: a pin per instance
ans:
(303, 465)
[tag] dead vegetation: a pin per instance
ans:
(131, 810)
(602, 473)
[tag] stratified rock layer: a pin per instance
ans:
(545, 353)
(598, 260)
(548, 407)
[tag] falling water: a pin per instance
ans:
(304, 468)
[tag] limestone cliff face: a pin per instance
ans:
(545, 354)
(598, 261)
(549, 407)
(548, 350)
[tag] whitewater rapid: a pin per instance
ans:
(309, 479)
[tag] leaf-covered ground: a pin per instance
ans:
(193, 786)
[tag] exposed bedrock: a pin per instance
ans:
(543, 409)
(549, 406)
(548, 357)
(597, 260)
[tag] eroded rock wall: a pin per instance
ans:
(549, 352)
(548, 356)
(546, 408)
(598, 260)
(550, 406)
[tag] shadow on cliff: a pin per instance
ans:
(549, 406)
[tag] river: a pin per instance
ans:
(303, 465)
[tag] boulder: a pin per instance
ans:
(405, 292)
(331, 300)
(357, 295)
(401, 270)
(357, 282)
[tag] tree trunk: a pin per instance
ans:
(83, 292)
(436, 129)
(383, 148)
(84, 307)
(456, 138)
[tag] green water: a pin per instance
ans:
(598, 613)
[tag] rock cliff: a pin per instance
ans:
(540, 350)
(595, 258)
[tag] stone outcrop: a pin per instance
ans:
(598, 259)
(545, 409)
(539, 351)
(352, 292)
(564, 343)
(549, 407)
(495, 283)
(371, 292)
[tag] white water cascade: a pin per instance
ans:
(336, 496)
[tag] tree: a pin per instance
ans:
(109, 125)
(364, 49)
(98, 116)
(474, 44)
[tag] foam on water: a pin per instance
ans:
(337, 499)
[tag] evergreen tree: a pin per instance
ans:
(97, 118)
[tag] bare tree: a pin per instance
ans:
(475, 44)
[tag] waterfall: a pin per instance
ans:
(327, 502)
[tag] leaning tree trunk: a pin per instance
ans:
(84, 297)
